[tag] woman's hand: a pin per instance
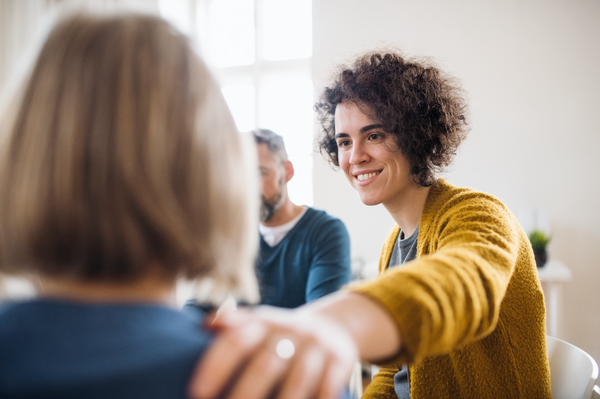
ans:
(243, 361)
(328, 336)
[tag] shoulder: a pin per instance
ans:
(463, 213)
(324, 226)
(147, 340)
(15, 315)
(445, 198)
(317, 217)
(6, 320)
(95, 321)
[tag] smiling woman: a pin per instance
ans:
(392, 124)
(458, 279)
(370, 157)
(422, 109)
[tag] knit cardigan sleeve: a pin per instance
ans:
(382, 386)
(451, 294)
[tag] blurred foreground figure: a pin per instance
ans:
(111, 188)
(458, 309)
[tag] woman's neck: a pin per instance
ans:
(407, 209)
(152, 288)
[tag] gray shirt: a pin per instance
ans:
(405, 250)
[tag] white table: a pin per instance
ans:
(552, 275)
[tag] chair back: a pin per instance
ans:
(572, 371)
(356, 382)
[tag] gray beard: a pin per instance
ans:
(268, 207)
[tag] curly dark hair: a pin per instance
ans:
(425, 110)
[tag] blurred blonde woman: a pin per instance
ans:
(120, 173)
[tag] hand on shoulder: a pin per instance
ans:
(269, 352)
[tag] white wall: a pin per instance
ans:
(531, 68)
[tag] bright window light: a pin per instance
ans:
(300, 187)
(242, 105)
(177, 12)
(286, 29)
(286, 108)
(231, 27)
(244, 42)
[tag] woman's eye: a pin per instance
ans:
(374, 136)
(343, 143)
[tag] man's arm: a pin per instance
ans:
(330, 268)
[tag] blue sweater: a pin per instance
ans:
(56, 349)
(312, 260)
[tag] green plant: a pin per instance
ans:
(539, 240)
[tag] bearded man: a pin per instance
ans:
(304, 253)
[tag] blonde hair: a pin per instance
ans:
(123, 153)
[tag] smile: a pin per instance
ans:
(366, 176)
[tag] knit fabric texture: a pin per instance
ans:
(470, 309)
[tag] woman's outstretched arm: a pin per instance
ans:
(329, 335)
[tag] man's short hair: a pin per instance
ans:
(273, 141)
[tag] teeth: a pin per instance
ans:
(367, 176)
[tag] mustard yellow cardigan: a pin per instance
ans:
(470, 308)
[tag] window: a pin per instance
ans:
(260, 51)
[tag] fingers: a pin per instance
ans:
(324, 361)
(305, 372)
(261, 375)
(215, 370)
(334, 378)
(243, 361)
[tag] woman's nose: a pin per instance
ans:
(358, 155)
